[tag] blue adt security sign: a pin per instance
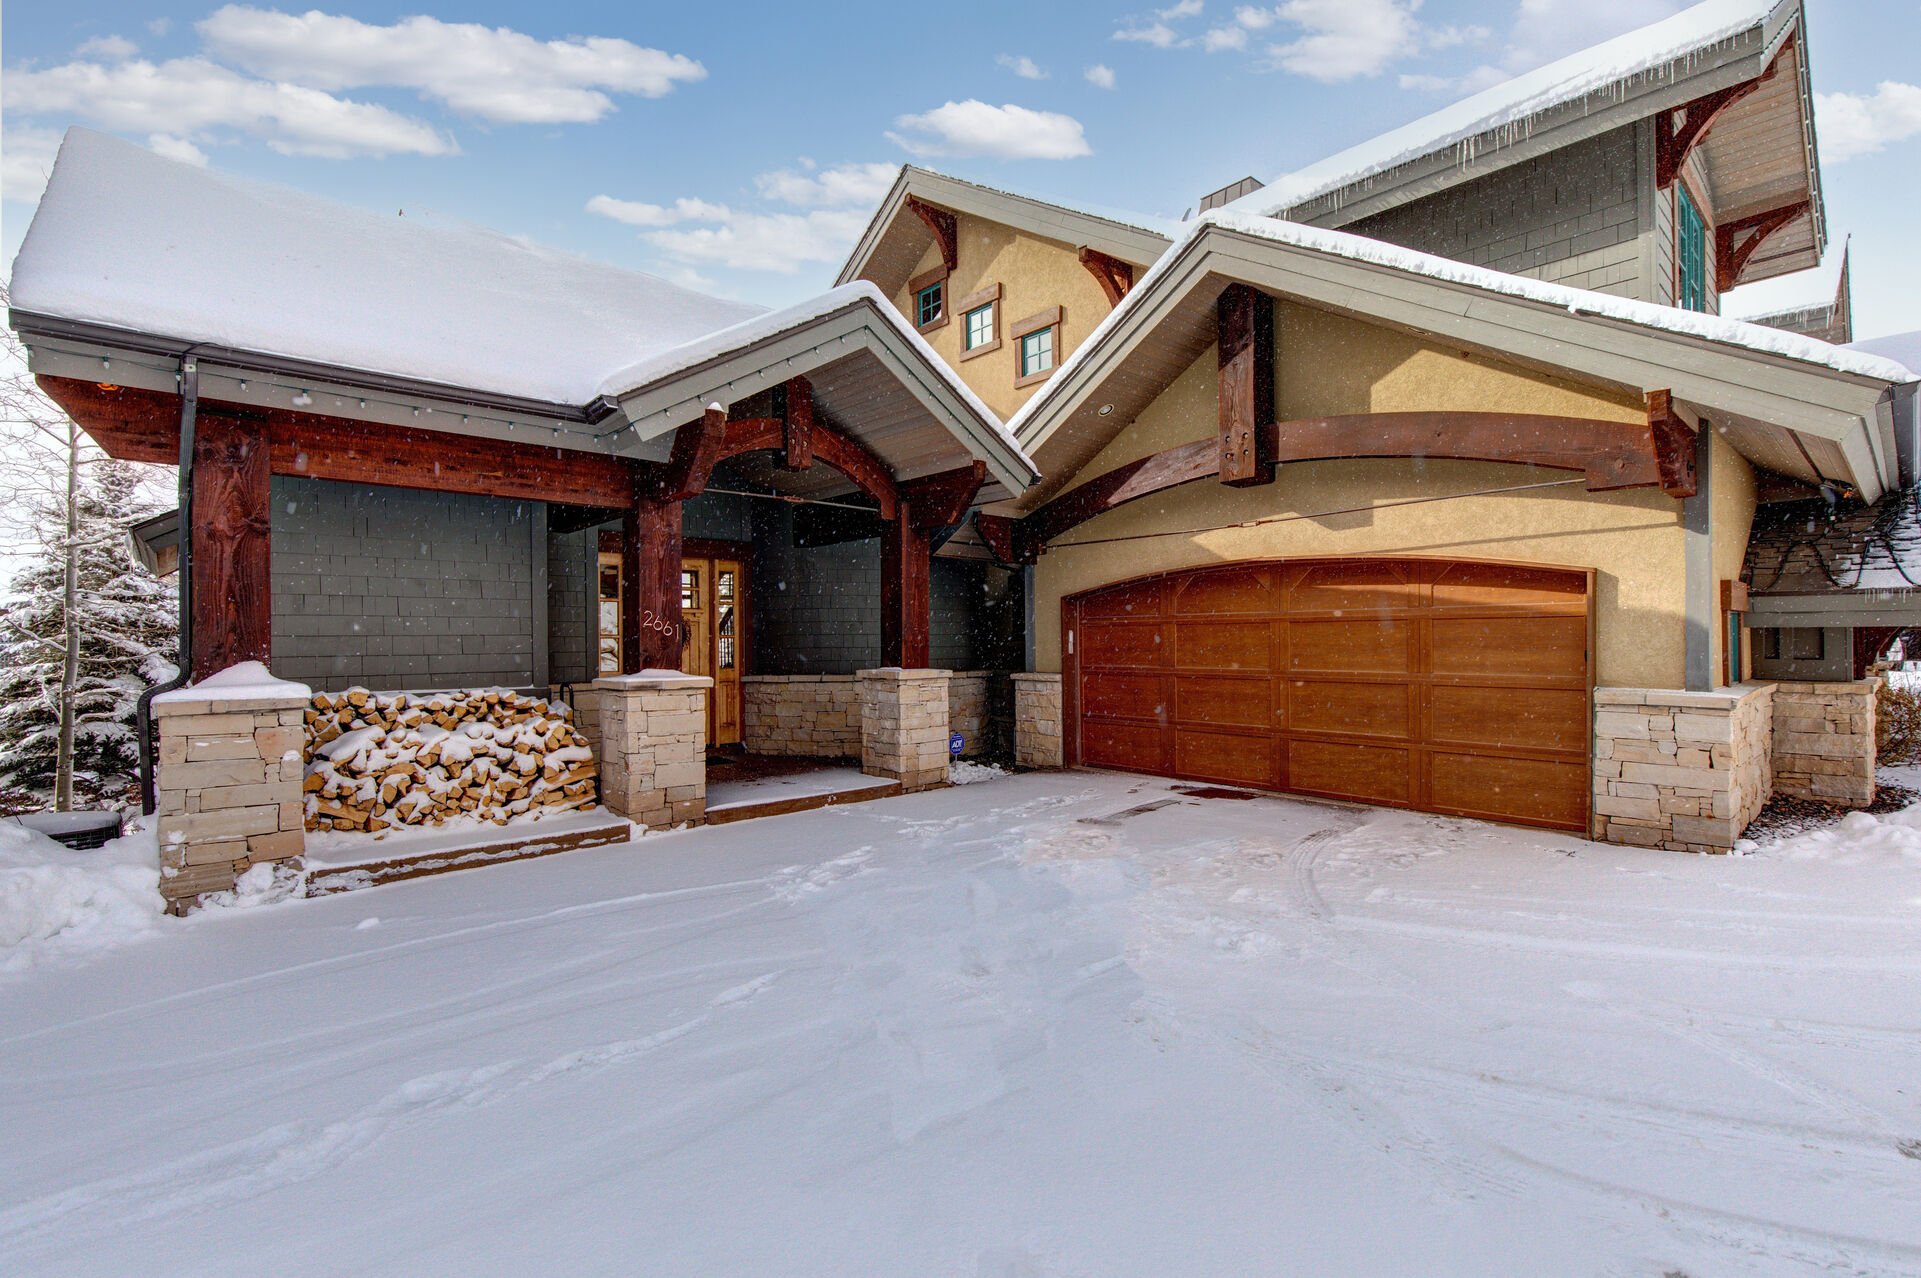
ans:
(955, 744)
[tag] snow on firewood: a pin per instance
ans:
(379, 760)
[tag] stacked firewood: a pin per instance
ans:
(379, 760)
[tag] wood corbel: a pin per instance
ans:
(1001, 535)
(1678, 132)
(1245, 325)
(943, 224)
(697, 449)
(795, 405)
(1735, 242)
(1113, 275)
(941, 501)
(1673, 446)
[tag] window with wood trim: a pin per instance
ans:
(980, 313)
(1037, 343)
(1690, 252)
(927, 299)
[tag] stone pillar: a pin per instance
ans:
(1685, 771)
(903, 726)
(1824, 741)
(1037, 720)
(227, 787)
(653, 747)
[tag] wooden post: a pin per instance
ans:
(1245, 318)
(905, 561)
(232, 545)
(651, 633)
(797, 423)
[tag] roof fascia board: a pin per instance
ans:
(1563, 126)
(890, 207)
(1841, 608)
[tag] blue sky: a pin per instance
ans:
(740, 146)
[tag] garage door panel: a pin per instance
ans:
(1372, 774)
(1505, 586)
(1221, 592)
(1225, 701)
(1223, 645)
(1109, 694)
(1351, 647)
(1538, 791)
(1135, 747)
(1121, 602)
(1508, 718)
(1350, 709)
(1121, 644)
(1217, 756)
(1513, 647)
(1359, 586)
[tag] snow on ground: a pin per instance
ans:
(1046, 1025)
(55, 901)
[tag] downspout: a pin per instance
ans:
(143, 712)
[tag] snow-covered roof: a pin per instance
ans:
(1813, 548)
(1155, 224)
(1651, 52)
(1576, 301)
(1903, 348)
(126, 238)
(1811, 289)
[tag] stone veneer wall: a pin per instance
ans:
(227, 789)
(807, 716)
(903, 726)
(653, 747)
(1037, 720)
(1824, 741)
(1685, 771)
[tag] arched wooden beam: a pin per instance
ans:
(1678, 132)
(941, 500)
(769, 434)
(1113, 275)
(1736, 241)
(1613, 455)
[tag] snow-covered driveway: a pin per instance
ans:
(1050, 1025)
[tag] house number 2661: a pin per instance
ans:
(662, 626)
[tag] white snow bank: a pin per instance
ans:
(1663, 50)
(967, 772)
(1903, 348)
(56, 899)
(246, 681)
(1857, 839)
(126, 238)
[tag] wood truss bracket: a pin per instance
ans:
(1001, 536)
(1113, 275)
(839, 450)
(941, 501)
(943, 224)
(794, 405)
(1673, 446)
(1735, 242)
(697, 450)
(1678, 132)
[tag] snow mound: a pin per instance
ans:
(55, 899)
(246, 681)
(965, 772)
(1858, 839)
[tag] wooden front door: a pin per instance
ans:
(1459, 687)
(713, 609)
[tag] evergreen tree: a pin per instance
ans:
(87, 631)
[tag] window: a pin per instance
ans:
(928, 292)
(980, 313)
(1038, 342)
(1691, 252)
(980, 326)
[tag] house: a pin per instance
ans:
(1426, 476)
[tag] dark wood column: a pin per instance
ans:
(1246, 348)
(232, 544)
(650, 549)
(906, 558)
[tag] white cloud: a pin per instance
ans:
(637, 213)
(1481, 77)
(111, 47)
(1347, 39)
(1224, 39)
(1003, 132)
(26, 158)
(159, 26)
(493, 73)
(177, 149)
(1023, 66)
(1547, 29)
(1182, 9)
(840, 186)
(185, 97)
(780, 242)
(1852, 124)
(1099, 75)
(1159, 34)
(1254, 19)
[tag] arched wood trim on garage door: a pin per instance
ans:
(1454, 686)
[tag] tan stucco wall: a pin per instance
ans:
(1034, 274)
(1331, 365)
(1731, 515)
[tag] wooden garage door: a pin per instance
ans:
(1449, 686)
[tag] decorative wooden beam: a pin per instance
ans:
(999, 534)
(943, 224)
(905, 564)
(232, 544)
(1673, 446)
(941, 501)
(1678, 132)
(142, 425)
(697, 450)
(1113, 275)
(796, 404)
(843, 453)
(1245, 327)
(1735, 242)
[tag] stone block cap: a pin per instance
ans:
(247, 686)
(1035, 676)
(898, 672)
(653, 681)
